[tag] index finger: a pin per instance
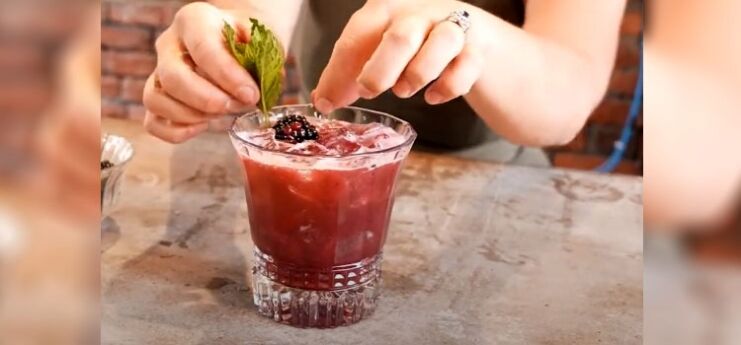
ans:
(213, 58)
(337, 85)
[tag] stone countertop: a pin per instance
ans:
(477, 253)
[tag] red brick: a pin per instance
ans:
(632, 23)
(590, 162)
(604, 142)
(623, 81)
(159, 14)
(123, 37)
(628, 54)
(132, 89)
(135, 112)
(110, 86)
(603, 139)
(112, 109)
(611, 111)
(128, 63)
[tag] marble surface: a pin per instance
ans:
(477, 253)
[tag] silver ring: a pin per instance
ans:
(460, 18)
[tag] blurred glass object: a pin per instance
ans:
(692, 173)
(688, 302)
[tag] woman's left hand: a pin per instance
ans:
(403, 46)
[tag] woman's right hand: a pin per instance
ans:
(196, 78)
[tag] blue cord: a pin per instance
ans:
(635, 107)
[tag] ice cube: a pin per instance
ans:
(336, 137)
(264, 138)
(309, 147)
(361, 128)
(379, 137)
(345, 146)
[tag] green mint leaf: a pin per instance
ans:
(237, 48)
(263, 58)
(265, 55)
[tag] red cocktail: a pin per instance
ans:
(319, 211)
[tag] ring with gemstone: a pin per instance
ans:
(461, 18)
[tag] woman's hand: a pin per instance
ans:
(196, 78)
(403, 46)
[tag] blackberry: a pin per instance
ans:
(106, 164)
(295, 129)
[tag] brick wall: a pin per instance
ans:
(130, 28)
(128, 32)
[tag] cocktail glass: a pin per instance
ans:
(319, 223)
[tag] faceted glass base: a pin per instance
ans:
(338, 297)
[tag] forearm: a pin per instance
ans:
(279, 15)
(532, 91)
(540, 83)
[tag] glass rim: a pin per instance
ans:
(407, 142)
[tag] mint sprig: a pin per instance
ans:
(263, 58)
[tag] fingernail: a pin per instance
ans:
(404, 89)
(324, 105)
(247, 94)
(235, 106)
(434, 98)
